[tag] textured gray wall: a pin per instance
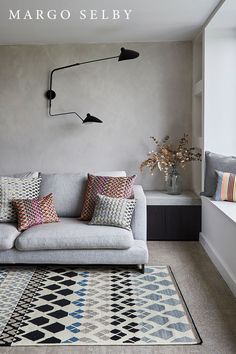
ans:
(135, 99)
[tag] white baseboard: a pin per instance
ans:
(219, 263)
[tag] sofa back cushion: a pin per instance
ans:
(68, 190)
(215, 162)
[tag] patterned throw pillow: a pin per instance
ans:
(35, 212)
(226, 186)
(113, 211)
(116, 187)
(16, 188)
(23, 175)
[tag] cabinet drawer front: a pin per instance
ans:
(173, 222)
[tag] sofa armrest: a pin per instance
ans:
(139, 220)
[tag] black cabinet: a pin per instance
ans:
(173, 222)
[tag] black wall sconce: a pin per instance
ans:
(125, 54)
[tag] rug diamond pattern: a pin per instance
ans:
(76, 306)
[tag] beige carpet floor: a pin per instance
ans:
(209, 300)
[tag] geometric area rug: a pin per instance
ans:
(64, 305)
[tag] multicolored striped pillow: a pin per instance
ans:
(35, 212)
(226, 186)
(115, 187)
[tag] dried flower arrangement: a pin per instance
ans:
(168, 156)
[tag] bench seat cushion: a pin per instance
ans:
(70, 233)
(8, 234)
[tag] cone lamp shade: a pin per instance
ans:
(91, 119)
(127, 54)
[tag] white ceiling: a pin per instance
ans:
(151, 21)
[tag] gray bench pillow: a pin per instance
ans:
(215, 162)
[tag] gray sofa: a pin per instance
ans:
(72, 241)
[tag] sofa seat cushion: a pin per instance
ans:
(71, 233)
(8, 234)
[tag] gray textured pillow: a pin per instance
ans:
(16, 188)
(113, 212)
(215, 162)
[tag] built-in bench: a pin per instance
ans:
(218, 237)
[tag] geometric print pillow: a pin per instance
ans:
(115, 187)
(113, 212)
(226, 186)
(35, 212)
(16, 188)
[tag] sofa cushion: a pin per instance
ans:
(117, 187)
(68, 190)
(8, 234)
(16, 188)
(22, 175)
(113, 212)
(35, 212)
(71, 233)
